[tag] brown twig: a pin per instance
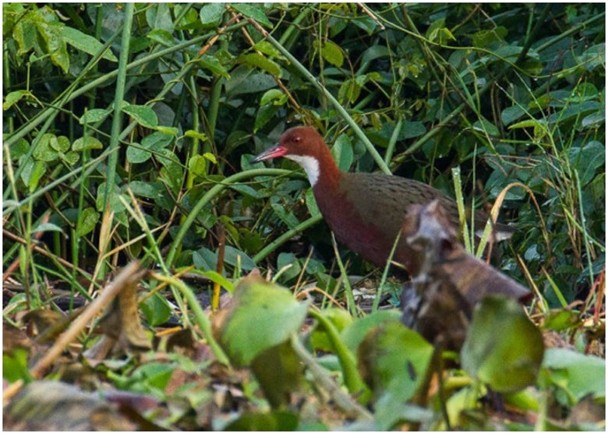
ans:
(108, 294)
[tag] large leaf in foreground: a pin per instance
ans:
(502, 348)
(262, 315)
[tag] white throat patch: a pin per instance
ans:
(310, 166)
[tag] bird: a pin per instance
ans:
(365, 211)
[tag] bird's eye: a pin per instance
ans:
(297, 139)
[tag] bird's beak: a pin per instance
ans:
(270, 153)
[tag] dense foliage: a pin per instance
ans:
(137, 144)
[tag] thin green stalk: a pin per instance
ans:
(385, 274)
(207, 197)
(119, 96)
(201, 318)
(352, 379)
(348, 290)
(390, 149)
(462, 214)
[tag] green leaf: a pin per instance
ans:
(87, 220)
(197, 165)
(47, 227)
(86, 142)
(151, 190)
(214, 65)
(33, 171)
(211, 14)
(253, 11)
(44, 150)
(258, 61)
(582, 374)
(232, 256)
(143, 115)
(156, 310)
(502, 348)
(267, 48)
(83, 42)
(152, 143)
(343, 152)
(61, 144)
(279, 420)
(163, 37)
(353, 335)
(168, 131)
(262, 316)
(486, 127)
(196, 135)
(273, 96)
(395, 358)
(94, 116)
(332, 53)
(14, 97)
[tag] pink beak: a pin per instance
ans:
(270, 153)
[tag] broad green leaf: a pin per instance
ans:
(197, 165)
(233, 256)
(71, 157)
(254, 11)
(503, 348)
(279, 420)
(44, 150)
(588, 160)
(151, 190)
(52, 35)
(161, 36)
(14, 97)
(137, 154)
(87, 220)
(83, 42)
(343, 152)
(265, 113)
(273, 96)
(213, 64)
(244, 80)
(211, 14)
(61, 144)
(156, 310)
(262, 315)
(267, 48)
(94, 115)
(582, 374)
(486, 126)
(258, 61)
(394, 358)
(143, 115)
(116, 205)
(332, 53)
(86, 142)
(25, 34)
(151, 144)
(353, 335)
(19, 148)
(33, 171)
